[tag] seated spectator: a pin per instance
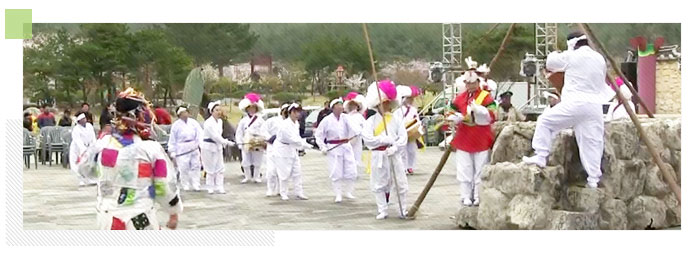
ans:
(66, 120)
(28, 121)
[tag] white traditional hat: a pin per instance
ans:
(483, 69)
(471, 64)
(251, 99)
(387, 90)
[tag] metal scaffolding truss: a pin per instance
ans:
(452, 51)
(546, 39)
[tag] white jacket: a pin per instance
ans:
(332, 128)
(185, 136)
(213, 131)
(585, 75)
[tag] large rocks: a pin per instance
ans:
(467, 217)
(646, 212)
(529, 211)
(565, 220)
(514, 142)
(493, 209)
(654, 181)
(632, 195)
(613, 215)
(584, 199)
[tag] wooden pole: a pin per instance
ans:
(432, 180)
(650, 147)
(385, 126)
(503, 45)
(597, 45)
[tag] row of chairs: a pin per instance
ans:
(55, 140)
(52, 140)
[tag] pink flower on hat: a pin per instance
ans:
(253, 97)
(388, 89)
(415, 91)
(350, 96)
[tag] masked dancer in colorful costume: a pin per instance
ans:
(133, 171)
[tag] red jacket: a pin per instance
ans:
(470, 137)
(162, 116)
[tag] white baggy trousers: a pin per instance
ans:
(382, 182)
(189, 166)
(410, 154)
(252, 158)
(214, 167)
(271, 172)
(588, 123)
(469, 170)
(343, 171)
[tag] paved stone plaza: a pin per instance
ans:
(52, 200)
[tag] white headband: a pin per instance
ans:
(282, 107)
(571, 43)
(213, 104)
(181, 109)
(293, 106)
(335, 101)
(81, 116)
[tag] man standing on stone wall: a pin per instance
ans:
(584, 93)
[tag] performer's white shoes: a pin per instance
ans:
(349, 196)
(382, 216)
(338, 198)
(302, 197)
(245, 180)
(221, 191)
(476, 202)
(185, 188)
(536, 159)
(284, 198)
(466, 202)
(404, 215)
(257, 180)
(210, 191)
(592, 185)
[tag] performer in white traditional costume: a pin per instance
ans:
(387, 147)
(408, 113)
(249, 131)
(287, 161)
(271, 128)
(354, 106)
(133, 171)
(584, 93)
(333, 138)
(83, 136)
(474, 112)
(212, 150)
(185, 139)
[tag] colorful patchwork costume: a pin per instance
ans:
(133, 172)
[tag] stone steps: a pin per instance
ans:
(632, 192)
